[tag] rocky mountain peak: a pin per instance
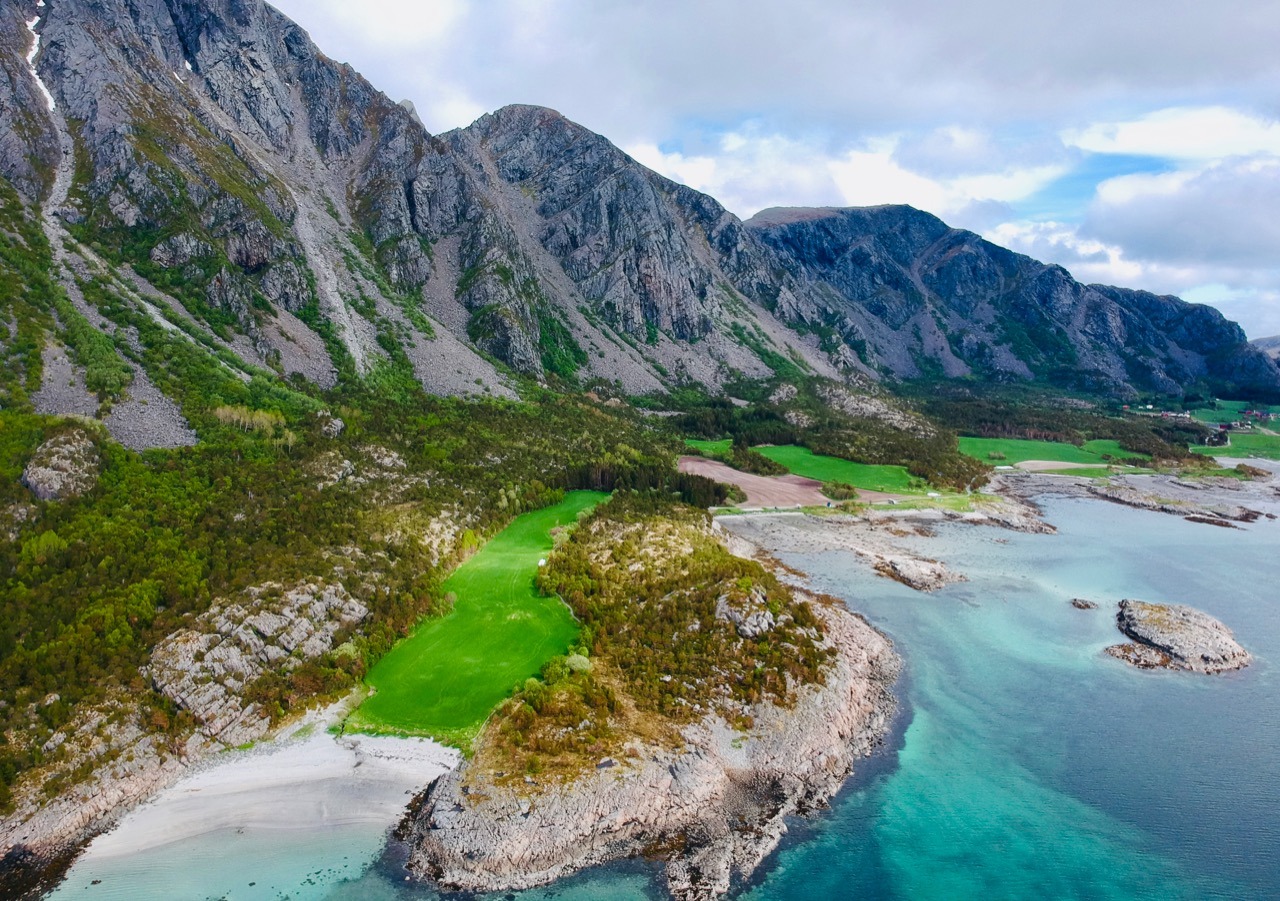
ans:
(309, 223)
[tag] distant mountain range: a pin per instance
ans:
(1269, 346)
(308, 223)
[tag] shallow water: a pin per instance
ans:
(1028, 763)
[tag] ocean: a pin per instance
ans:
(1025, 763)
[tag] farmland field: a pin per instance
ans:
(804, 462)
(710, 448)
(445, 678)
(1246, 444)
(1018, 450)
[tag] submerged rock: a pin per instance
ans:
(1176, 637)
(1083, 604)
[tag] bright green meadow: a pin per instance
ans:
(444, 679)
(710, 448)
(804, 462)
(1020, 450)
(1246, 444)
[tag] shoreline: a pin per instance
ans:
(712, 807)
(303, 782)
(236, 775)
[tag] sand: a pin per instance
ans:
(309, 783)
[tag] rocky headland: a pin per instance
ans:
(712, 808)
(1176, 637)
(701, 754)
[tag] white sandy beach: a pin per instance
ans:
(309, 783)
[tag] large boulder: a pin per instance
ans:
(64, 467)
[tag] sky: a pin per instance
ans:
(1136, 143)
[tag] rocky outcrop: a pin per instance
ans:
(128, 762)
(712, 809)
(1177, 637)
(64, 467)
(205, 669)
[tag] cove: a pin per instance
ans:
(1028, 764)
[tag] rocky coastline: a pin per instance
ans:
(711, 809)
(1216, 501)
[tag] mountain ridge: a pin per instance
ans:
(227, 160)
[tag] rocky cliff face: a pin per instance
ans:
(927, 299)
(278, 199)
(311, 224)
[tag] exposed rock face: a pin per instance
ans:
(751, 617)
(205, 669)
(262, 170)
(929, 298)
(1176, 637)
(63, 467)
(712, 810)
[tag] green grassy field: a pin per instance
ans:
(710, 448)
(1018, 450)
(1246, 444)
(804, 462)
(1229, 410)
(445, 678)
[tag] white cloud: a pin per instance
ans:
(1184, 133)
(1221, 214)
(748, 171)
(637, 71)
(396, 26)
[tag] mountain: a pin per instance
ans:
(920, 298)
(1269, 346)
(297, 220)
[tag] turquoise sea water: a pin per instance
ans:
(1026, 763)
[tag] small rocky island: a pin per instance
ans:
(713, 703)
(1176, 637)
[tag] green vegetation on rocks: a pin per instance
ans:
(674, 628)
